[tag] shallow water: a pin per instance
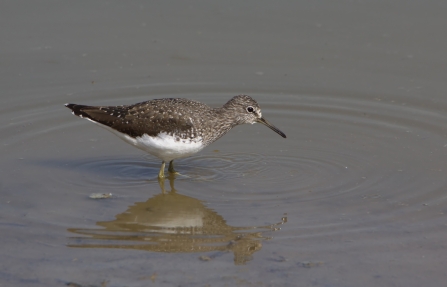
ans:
(356, 194)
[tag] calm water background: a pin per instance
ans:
(355, 196)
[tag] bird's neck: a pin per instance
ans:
(221, 125)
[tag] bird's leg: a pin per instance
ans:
(161, 182)
(171, 167)
(161, 174)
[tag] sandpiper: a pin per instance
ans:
(173, 128)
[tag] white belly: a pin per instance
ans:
(163, 146)
(166, 147)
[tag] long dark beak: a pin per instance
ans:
(266, 123)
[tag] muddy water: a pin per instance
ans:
(355, 196)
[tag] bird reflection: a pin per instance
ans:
(175, 223)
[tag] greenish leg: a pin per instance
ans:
(161, 174)
(171, 167)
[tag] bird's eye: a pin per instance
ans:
(250, 109)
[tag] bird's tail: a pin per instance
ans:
(77, 110)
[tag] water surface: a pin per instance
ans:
(356, 194)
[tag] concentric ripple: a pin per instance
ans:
(337, 146)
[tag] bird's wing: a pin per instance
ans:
(135, 120)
